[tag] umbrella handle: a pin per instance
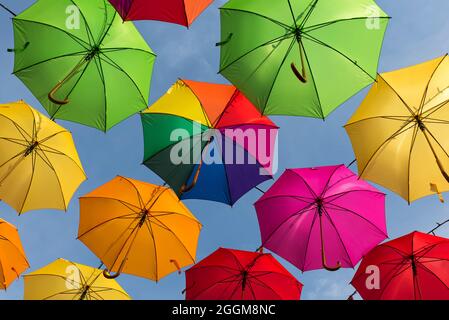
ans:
(175, 262)
(219, 44)
(52, 98)
(108, 275)
(323, 251)
(301, 77)
(188, 188)
(184, 187)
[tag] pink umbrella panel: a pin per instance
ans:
(323, 217)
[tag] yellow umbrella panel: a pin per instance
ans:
(400, 133)
(12, 256)
(39, 164)
(66, 280)
(138, 228)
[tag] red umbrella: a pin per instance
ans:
(240, 275)
(412, 267)
(182, 12)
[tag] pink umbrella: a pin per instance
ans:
(323, 217)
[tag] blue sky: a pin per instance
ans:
(419, 31)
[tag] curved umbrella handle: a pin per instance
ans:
(175, 262)
(184, 187)
(323, 251)
(301, 77)
(219, 44)
(108, 275)
(53, 99)
(188, 188)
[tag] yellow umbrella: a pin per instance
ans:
(39, 165)
(66, 280)
(400, 133)
(12, 257)
(138, 228)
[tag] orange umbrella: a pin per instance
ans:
(138, 228)
(12, 257)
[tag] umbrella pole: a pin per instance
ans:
(323, 251)
(440, 165)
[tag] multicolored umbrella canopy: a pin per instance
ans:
(240, 275)
(207, 141)
(67, 280)
(82, 62)
(12, 256)
(182, 12)
(301, 57)
(321, 217)
(39, 164)
(399, 133)
(138, 228)
(412, 267)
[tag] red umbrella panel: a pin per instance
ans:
(412, 267)
(182, 12)
(240, 275)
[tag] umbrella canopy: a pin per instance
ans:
(321, 218)
(301, 58)
(66, 280)
(81, 62)
(182, 12)
(412, 267)
(138, 228)
(39, 164)
(207, 141)
(12, 256)
(408, 110)
(240, 275)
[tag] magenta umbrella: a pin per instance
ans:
(323, 217)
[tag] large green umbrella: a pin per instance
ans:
(82, 62)
(301, 57)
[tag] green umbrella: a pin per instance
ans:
(82, 62)
(301, 57)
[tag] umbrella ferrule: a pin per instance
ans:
(92, 53)
(143, 217)
(420, 123)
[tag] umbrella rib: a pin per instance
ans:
(312, 6)
(314, 195)
(299, 198)
(431, 272)
(177, 238)
(281, 24)
(339, 208)
(262, 284)
(412, 113)
(33, 165)
(113, 64)
(308, 242)
(78, 40)
(222, 281)
(203, 110)
(67, 55)
(327, 186)
(426, 90)
(407, 119)
(100, 72)
(19, 251)
(317, 41)
(326, 24)
(107, 221)
(334, 197)
(396, 272)
(278, 72)
(400, 131)
(128, 205)
(90, 35)
(272, 42)
(292, 216)
(19, 128)
(139, 196)
(438, 143)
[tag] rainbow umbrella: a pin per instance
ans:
(182, 12)
(207, 141)
(321, 217)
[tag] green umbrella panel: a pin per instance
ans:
(82, 62)
(301, 57)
